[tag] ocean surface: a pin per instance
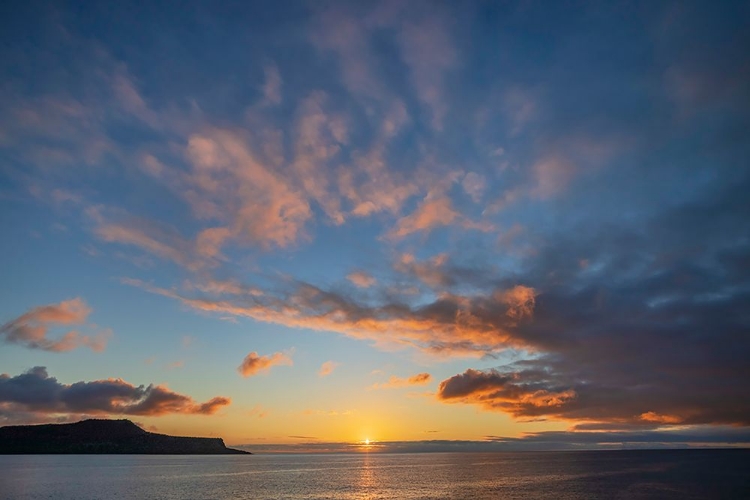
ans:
(680, 474)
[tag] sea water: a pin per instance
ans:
(679, 474)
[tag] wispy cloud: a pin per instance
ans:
(361, 279)
(394, 381)
(474, 185)
(231, 183)
(253, 364)
(327, 368)
(31, 328)
(429, 53)
(259, 412)
(176, 364)
(327, 413)
(319, 136)
(161, 241)
(451, 325)
(272, 85)
(431, 213)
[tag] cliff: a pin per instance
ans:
(103, 437)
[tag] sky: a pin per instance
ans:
(422, 225)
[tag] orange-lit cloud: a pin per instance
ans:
(429, 214)
(319, 138)
(327, 368)
(36, 392)
(394, 381)
(254, 364)
(451, 325)
(503, 392)
(657, 418)
(209, 241)
(430, 272)
(374, 187)
(258, 411)
(234, 184)
(434, 211)
(520, 301)
(361, 279)
(31, 328)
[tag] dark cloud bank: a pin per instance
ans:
(35, 396)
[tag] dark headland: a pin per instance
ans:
(103, 437)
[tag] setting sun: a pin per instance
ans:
(367, 441)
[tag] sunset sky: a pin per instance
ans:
(305, 223)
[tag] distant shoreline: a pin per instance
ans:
(276, 450)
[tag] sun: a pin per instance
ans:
(367, 441)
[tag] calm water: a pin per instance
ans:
(559, 475)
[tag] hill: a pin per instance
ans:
(103, 437)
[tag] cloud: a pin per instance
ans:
(272, 85)
(436, 210)
(222, 287)
(346, 37)
(231, 183)
(131, 100)
(327, 413)
(35, 392)
(520, 300)
(639, 170)
(461, 325)
(504, 392)
(374, 187)
(327, 368)
(430, 214)
(209, 241)
(320, 136)
(254, 364)
(153, 238)
(431, 272)
(361, 279)
(474, 185)
(31, 328)
(625, 339)
(258, 412)
(394, 381)
(551, 175)
(430, 54)
(521, 107)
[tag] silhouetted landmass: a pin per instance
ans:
(103, 437)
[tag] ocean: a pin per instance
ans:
(675, 474)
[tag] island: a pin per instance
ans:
(96, 436)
